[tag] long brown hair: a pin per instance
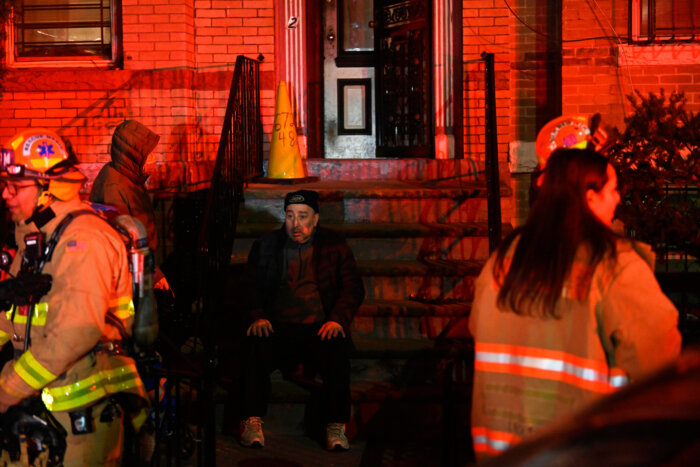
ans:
(560, 222)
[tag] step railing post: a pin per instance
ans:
(493, 188)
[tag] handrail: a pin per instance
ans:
(493, 185)
(239, 159)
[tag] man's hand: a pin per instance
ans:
(260, 328)
(331, 329)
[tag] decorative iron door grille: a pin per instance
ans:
(404, 84)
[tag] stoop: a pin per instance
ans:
(418, 229)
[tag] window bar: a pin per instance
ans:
(651, 21)
(102, 26)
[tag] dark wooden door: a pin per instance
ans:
(404, 78)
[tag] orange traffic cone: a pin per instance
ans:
(285, 158)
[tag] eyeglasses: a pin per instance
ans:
(13, 188)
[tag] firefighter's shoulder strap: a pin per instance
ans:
(141, 265)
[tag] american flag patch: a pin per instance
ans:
(76, 246)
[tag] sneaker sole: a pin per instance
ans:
(254, 444)
(338, 448)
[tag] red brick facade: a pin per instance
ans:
(178, 64)
(178, 58)
(599, 69)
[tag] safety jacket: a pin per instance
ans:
(64, 362)
(615, 325)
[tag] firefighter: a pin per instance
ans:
(565, 311)
(74, 357)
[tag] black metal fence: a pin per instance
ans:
(239, 158)
(678, 267)
(493, 184)
(186, 416)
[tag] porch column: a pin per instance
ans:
(290, 53)
(443, 85)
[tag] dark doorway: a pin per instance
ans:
(398, 63)
(403, 78)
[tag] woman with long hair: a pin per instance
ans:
(565, 310)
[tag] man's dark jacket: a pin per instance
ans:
(334, 267)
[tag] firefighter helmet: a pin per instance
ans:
(573, 131)
(38, 154)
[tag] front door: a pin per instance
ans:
(404, 85)
(377, 79)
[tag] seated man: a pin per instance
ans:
(305, 290)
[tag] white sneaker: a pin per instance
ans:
(335, 437)
(251, 432)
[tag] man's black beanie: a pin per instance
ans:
(308, 197)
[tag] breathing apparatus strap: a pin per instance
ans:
(51, 246)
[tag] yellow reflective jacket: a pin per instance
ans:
(90, 277)
(616, 325)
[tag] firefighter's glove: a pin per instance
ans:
(29, 288)
(39, 434)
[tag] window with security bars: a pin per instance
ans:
(664, 20)
(64, 29)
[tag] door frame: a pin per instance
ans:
(449, 137)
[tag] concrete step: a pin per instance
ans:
(435, 281)
(401, 241)
(378, 411)
(386, 201)
(410, 319)
(398, 169)
(425, 280)
(390, 396)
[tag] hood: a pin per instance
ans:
(132, 142)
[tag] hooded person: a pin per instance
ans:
(121, 182)
(72, 356)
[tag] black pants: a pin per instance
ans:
(288, 346)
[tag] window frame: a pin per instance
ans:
(75, 61)
(636, 34)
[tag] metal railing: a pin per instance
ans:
(493, 184)
(239, 159)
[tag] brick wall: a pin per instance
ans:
(178, 58)
(485, 28)
(598, 73)
(599, 68)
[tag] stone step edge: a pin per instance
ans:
(288, 392)
(340, 190)
(401, 268)
(372, 230)
(403, 167)
(413, 308)
(420, 268)
(291, 392)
